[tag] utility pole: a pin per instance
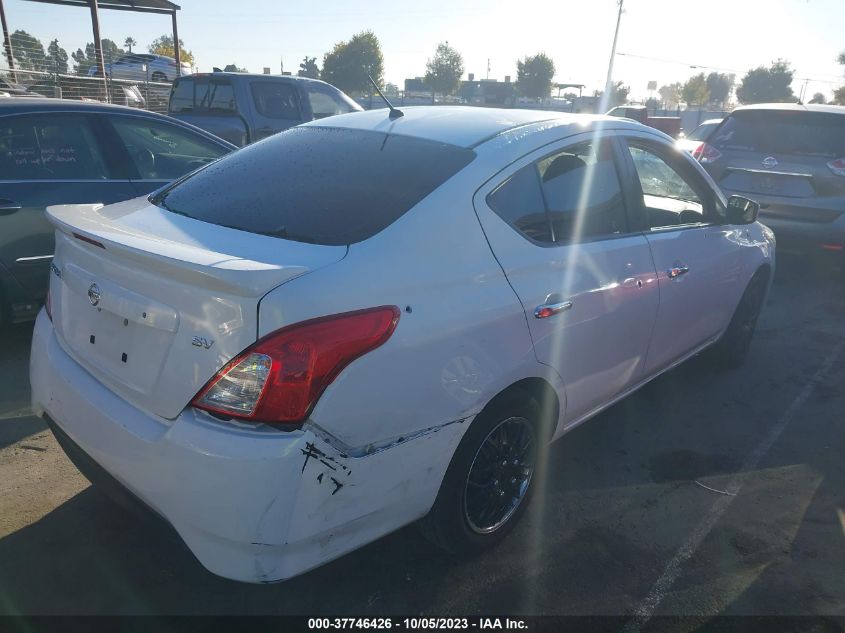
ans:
(608, 85)
(488, 68)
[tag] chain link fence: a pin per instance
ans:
(138, 80)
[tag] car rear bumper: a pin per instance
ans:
(252, 504)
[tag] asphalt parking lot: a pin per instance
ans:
(705, 493)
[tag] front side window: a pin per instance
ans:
(59, 147)
(669, 198)
(161, 151)
(572, 195)
(275, 100)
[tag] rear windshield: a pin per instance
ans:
(783, 132)
(320, 185)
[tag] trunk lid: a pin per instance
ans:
(153, 304)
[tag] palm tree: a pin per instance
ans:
(129, 43)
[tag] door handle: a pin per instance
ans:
(677, 271)
(7, 207)
(548, 309)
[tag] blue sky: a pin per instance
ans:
(729, 35)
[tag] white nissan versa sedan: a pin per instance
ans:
(372, 319)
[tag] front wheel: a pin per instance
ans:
(490, 479)
(732, 349)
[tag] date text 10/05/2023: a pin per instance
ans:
(417, 623)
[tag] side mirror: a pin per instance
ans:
(742, 210)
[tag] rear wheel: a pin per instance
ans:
(732, 349)
(490, 479)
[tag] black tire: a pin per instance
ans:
(450, 523)
(732, 349)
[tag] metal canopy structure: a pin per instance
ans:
(138, 6)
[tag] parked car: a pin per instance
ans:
(364, 321)
(693, 140)
(670, 125)
(244, 108)
(72, 87)
(16, 90)
(143, 67)
(55, 151)
(791, 159)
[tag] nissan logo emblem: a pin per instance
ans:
(94, 294)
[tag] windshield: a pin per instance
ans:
(703, 131)
(319, 185)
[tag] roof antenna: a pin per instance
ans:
(395, 112)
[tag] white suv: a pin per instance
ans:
(143, 67)
(371, 319)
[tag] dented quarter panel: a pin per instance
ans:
(462, 335)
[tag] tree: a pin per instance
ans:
(671, 95)
(763, 85)
(839, 93)
(129, 42)
(618, 94)
(308, 68)
(88, 58)
(534, 76)
(28, 51)
(719, 85)
(234, 68)
(347, 65)
(163, 45)
(443, 72)
(818, 98)
(57, 58)
(391, 90)
(695, 90)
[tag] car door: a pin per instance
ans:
(275, 107)
(157, 151)
(558, 224)
(45, 159)
(697, 256)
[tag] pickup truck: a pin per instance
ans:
(671, 125)
(243, 108)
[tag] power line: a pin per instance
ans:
(730, 70)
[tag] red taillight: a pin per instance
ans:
(47, 307)
(706, 153)
(837, 166)
(281, 377)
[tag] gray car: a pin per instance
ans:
(791, 159)
(55, 151)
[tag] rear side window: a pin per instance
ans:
(570, 196)
(216, 96)
(319, 185)
(61, 147)
(519, 202)
(275, 100)
(783, 132)
(182, 96)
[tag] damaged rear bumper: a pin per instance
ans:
(252, 504)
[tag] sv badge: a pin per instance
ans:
(201, 341)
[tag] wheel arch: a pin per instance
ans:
(536, 388)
